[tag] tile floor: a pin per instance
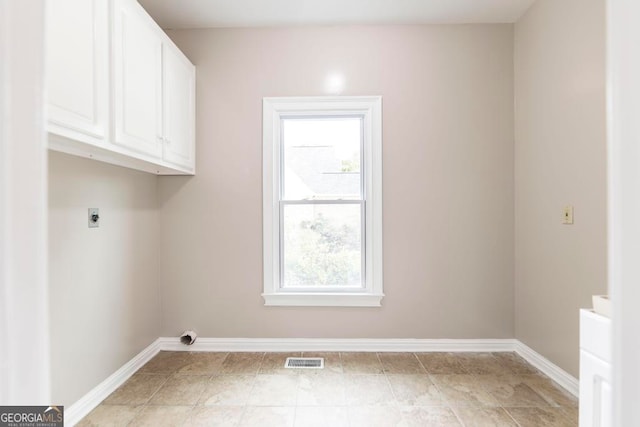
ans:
(354, 389)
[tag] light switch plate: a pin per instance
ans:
(567, 215)
(94, 218)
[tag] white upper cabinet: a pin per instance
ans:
(77, 69)
(119, 90)
(137, 76)
(178, 110)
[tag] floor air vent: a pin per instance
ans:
(304, 363)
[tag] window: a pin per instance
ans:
(322, 195)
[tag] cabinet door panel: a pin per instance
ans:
(77, 82)
(137, 72)
(595, 391)
(178, 108)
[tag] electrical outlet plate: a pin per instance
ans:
(94, 221)
(567, 215)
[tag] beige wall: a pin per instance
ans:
(560, 159)
(104, 297)
(448, 155)
(448, 180)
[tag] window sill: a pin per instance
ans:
(322, 299)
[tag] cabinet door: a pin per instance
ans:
(178, 108)
(137, 76)
(595, 391)
(77, 79)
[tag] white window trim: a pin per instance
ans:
(273, 109)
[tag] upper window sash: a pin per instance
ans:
(327, 150)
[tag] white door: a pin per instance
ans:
(137, 75)
(178, 108)
(77, 79)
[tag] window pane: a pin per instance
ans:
(322, 245)
(322, 158)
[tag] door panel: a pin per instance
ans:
(77, 81)
(137, 72)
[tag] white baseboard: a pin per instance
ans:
(321, 344)
(92, 399)
(74, 413)
(557, 374)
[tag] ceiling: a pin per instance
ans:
(173, 14)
